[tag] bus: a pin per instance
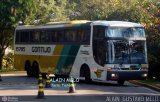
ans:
(89, 50)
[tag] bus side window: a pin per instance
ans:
(60, 36)
(99, 45)
(44, 37)
(17, 36)
(70, 35)
(35, 36)
(99, 32)
(74, 36)
(24, 36)
(84, 35)
(53, 36)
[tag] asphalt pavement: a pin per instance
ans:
(19, 88)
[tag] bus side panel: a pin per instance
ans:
(18, 63)
(48, 63)
(60, 62)
(19, 60)
(66, 59)
(85, 56)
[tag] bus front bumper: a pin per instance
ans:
(126, 75)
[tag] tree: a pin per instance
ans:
(27, 12)
(90, 9)
(7, 24)
(41, 11)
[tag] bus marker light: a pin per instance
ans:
(109, 69)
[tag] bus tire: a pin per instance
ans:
(35, 67)
(120, 82)
(44, 75)
(28, 68)
(85, 72)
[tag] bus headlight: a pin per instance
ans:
(113, 75)
(144, 75)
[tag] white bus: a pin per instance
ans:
(92, 50)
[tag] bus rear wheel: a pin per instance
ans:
(35, 67)
(120, 82)
(28, 69)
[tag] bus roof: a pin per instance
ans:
(117, 23)
(79, 22)
(54, 24)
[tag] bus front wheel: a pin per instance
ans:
(120, 82)
(85, 72)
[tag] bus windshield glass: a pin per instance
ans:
(125, 32)
(126, 51)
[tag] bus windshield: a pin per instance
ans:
(125, 32)
(126, 51)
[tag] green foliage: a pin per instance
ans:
(8, 69)
(7, 64)
(32, 11)
(8, 61)
(41, 11)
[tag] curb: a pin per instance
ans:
(145, 85)
(10, 83)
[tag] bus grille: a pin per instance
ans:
(130, 68)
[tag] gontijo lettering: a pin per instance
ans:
(41, 49)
